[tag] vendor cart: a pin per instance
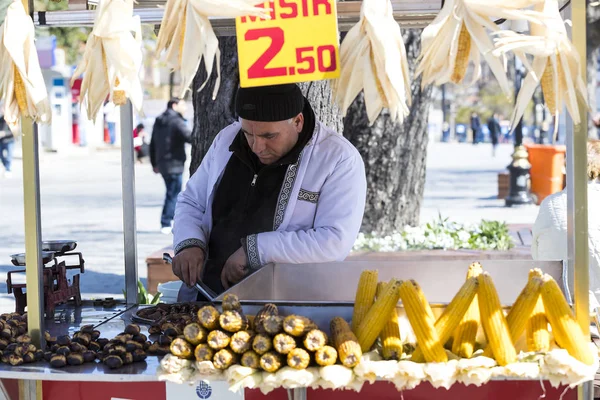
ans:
(329, 293)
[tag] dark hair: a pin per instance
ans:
(172, 102)
(139, 127)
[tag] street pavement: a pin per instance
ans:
(81, 200)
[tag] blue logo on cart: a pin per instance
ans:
(203, 390)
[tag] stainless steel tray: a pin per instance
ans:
(59, 246)
(19, 259)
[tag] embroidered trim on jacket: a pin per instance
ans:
(251, 249)
(193, 242)
(286, 191)
(311, 197)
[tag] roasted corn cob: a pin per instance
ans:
(271, 361)
(284, 343)
(538, 336)
(262, 344)
(241, 341)
(218, 340)
(365, 297)
(315, 339)
(297, 325)
(204, 353)
(194, 333)
(298, 358)
(422, 321)
(462, 55)
(494, 323)
(326, 355)
(345, 342)
(273, 324)
(465, 334)
(378, 315)
(268, 309)
(565, 328)
(233, 321)
(391, 343)
(251, 359)
(231, 303)
(208, 316)
(181, 348)
(224, 359)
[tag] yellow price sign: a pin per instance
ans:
(299, 43)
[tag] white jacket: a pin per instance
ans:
(318, 214)
(550, 234)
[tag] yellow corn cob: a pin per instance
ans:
(391, 344)
(298, 358)
(284, 343)
(267, 310)
(548, 88)
(422, 321)
(371, 326)
(208, 316)
(326, 355)
(565, 328)
(522, 308)
(452, 316)
(315, 339)
(181, 38)
(203, 353)
(224, 359)
(345, 342)
(297, 325)
(231, 303)
(538, 337)
(20, 92)
(465, 334)
(218, 340)
(233, 321)
(271, 361)
(250, 359)
(273, 324)
(181, 348)
(494, 323)
(262, 343)
(365, 296)
(462, 55)
(194, 333)
(241, 341)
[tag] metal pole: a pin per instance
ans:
(129, 218)
(577, 201)
(30, 390)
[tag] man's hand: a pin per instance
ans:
(234, 269)
(188, 265)
(155, 169)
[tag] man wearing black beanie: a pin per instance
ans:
(277, 186)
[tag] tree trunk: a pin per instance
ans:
(394, 155)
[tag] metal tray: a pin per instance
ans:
(19, 259)
(59, 246)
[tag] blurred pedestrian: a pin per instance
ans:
(167, 155)
(7, 141)
(596, 120)
(110, 117)
(140, 143)
(475, 127)
(495, 132)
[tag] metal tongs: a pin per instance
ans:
(199, 286)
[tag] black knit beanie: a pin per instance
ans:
(269, 103)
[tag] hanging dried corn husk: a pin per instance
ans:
(373, 59)
(112, 58)
(458, 36)
(187, 35)
(556, 64)
(21, 82)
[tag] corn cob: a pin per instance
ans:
(231, 303)
(391, 344)
(452, 315)
(462, 55)
(465, 334)
(494, 323)
(181, 348)
(345, 342)
(422, 321)
(119, 96)
(194, 333)
(273, 324)
(565, 328)
(233, 321)
(251, 359)
(297, 325)
(268, 309)
(262, 344)
(326, 355)
(204, 353)
(522, 308)
(284, 343)
(224, 359)
(241, 341)
(378, 315)
(208, 316)
(298, 358)
(271, 361)
(20, 92)
(365, 296)
(538, 337)
(315, 339)
(218, 340)
(548, 84)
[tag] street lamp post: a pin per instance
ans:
(520, 180)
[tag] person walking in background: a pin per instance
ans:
(167, 155)
(110, 117)
(140, 143)
(7, 141)
(494, 128)
(475, 127)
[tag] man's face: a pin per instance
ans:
(180, 107)
(272, 140)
